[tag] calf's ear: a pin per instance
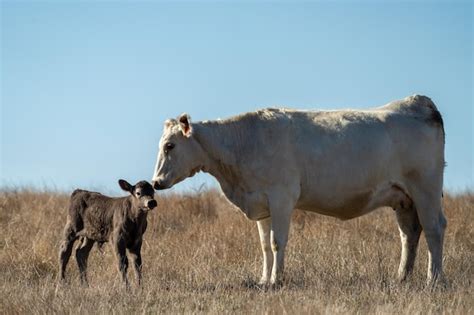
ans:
(185, 124)
(125, 185)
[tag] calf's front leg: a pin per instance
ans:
(122, 260)
(135, 255)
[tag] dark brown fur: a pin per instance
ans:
(94, 217)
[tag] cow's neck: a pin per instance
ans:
(220, 142)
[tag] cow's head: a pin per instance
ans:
(179, 154)
(142, 192)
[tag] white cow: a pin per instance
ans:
(342, 163)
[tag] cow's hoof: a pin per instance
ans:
(263, 281)
(276, 285)
(402, 278)
(250, 284)
(254, 285)
(437, 285)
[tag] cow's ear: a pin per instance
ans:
(125, 185)
(185, 124)
(170, 123)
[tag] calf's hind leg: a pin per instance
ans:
(65, 249)
(82, 254)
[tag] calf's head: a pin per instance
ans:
(179, 154)
(142, 192)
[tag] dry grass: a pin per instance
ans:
(200, 254)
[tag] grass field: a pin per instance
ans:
(200, 255)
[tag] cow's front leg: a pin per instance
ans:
(280, 220)
(264, 232)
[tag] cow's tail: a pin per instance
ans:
(424, 108)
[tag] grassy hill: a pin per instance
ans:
(200, 255)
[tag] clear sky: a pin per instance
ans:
(86, 86)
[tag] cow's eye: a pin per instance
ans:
(168, 147)
(138, 193)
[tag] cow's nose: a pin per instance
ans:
(156, 185)
(152, 204)
(160, 184)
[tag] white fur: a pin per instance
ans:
(342, 163)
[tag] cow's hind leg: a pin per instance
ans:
(410, 230)
(82, 254)
(65, 249)
(264, 227)
(430, 213)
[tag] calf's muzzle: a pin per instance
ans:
(151, 204)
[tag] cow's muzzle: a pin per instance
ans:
(159, 185)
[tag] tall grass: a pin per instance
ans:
(200, 255)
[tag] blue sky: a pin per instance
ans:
(86, 86)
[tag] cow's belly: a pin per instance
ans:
(347, 208)
(351, 205)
